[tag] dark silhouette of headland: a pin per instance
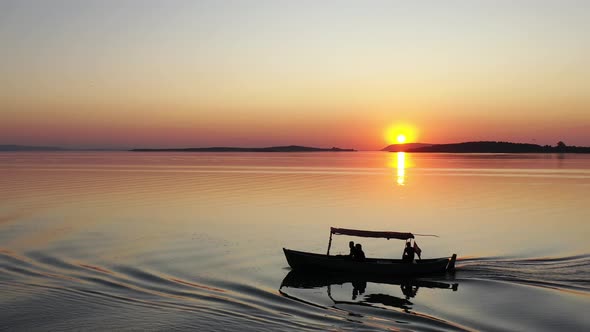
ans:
(405, 147)
(488, 147)
(289, 148)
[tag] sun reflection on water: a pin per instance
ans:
(399, 163)
(401, 168)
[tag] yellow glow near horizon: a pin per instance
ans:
(400, 134)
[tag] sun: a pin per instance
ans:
(400, 134)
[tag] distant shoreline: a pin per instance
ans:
(18, 148)
(464, 147)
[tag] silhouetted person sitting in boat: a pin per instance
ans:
(359, 254)
(408, 255)
(352, 249)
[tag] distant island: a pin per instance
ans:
(487, 147)
(15, 148)
(289, 148)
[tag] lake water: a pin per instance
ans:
(158, 241)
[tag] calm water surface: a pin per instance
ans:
(134, 241)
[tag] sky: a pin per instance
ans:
(352, 74)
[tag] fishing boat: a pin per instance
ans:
(300, 260)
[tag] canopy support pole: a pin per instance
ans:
(329, 244)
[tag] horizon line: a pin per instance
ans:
(64, 148)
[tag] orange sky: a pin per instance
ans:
(177, 73)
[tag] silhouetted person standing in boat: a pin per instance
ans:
(408, 255)
(359, 254)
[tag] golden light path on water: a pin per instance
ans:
(398, 162)
(401, 168)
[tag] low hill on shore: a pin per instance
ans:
(289, 148)
(493, 147)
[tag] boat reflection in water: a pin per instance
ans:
(398, 297)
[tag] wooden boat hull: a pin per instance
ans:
(299, 260)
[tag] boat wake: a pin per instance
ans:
(570, 273)
(61, 292)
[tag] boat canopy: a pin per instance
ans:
(377, 234)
